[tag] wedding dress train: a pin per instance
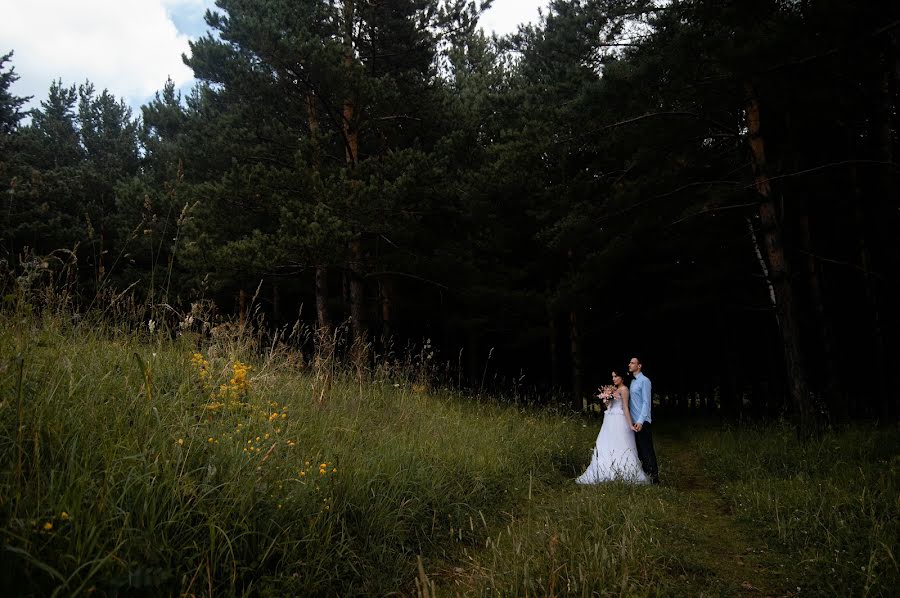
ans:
(615, 453)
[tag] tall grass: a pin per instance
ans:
(125, 468)
(145, 462)
(831, 504)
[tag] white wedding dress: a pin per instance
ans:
(615, 453)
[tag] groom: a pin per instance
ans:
(639, 404)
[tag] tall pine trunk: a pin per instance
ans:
(323, 321)
(351, 150)
(728, 387)
(577, 373)
(242, 307)
(356, 292)
(808, 425)
(276, 305)
(832, 385)
(554, 351)
(885, 136)
(386, 296)
(351, 138)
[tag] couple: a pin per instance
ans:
(624, 449)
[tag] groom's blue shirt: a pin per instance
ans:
(639, 400)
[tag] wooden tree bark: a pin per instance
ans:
(357, 326)
(242, 307)
(351, 147)
(832, 386)
(728, 387)
(323, 321)
(351, 137)
(885, 136)
(577, 372)
(554, 351)
(779, 270)
(386, 293)
(313, 116)
(276, 304)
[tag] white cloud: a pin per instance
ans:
(131, 46)
(127, 46)
(505, 16)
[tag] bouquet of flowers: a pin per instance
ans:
(607, 394)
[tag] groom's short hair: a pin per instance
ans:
(639, 359)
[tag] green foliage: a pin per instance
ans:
(521, 197)
(10, 105)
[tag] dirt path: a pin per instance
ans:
(728, 555)
(703, 548)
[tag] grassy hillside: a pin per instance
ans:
(134, 463)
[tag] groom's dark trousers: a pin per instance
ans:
(644, 442)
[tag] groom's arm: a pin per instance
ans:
(645, 402)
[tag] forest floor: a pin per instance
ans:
(701, 546)
(721, 553)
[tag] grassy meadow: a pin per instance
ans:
(135, 463)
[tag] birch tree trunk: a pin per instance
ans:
(780, 273)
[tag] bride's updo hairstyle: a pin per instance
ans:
(620, 374)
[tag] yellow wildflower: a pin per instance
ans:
(210, 439)
(48, 526)
(202, 366)
(64, 516)
(180, 441)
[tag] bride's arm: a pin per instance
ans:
(624, 394)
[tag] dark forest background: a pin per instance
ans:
(710, 185)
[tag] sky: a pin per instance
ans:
(131, 47)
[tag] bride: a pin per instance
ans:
(615, 453)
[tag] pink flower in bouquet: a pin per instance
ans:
(607, 394)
